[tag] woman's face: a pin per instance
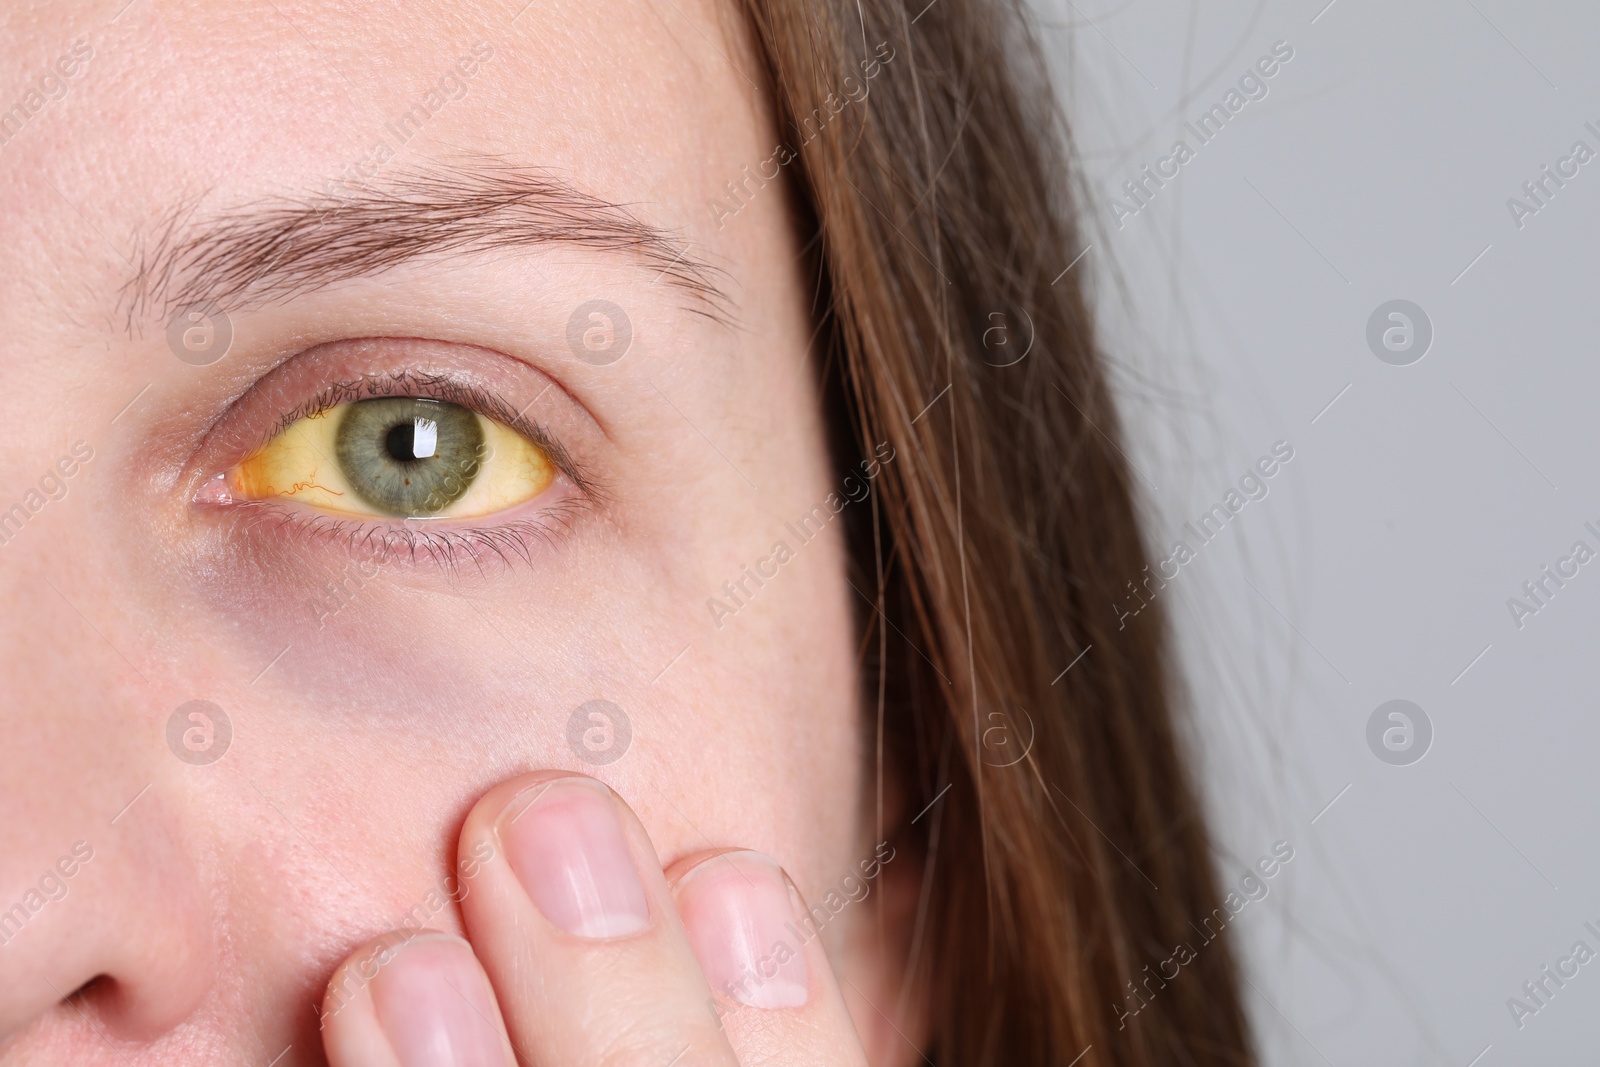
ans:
(224, 216)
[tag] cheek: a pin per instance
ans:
(380, 729)
(769, 717)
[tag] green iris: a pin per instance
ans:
(408, 456)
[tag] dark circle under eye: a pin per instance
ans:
(407, 456)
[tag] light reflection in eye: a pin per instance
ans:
(400, 457)
(424, 438)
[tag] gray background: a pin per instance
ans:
(1380, 565)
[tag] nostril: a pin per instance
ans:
(90, 990)
(79, 999)
(123, 1011)
(97, 999)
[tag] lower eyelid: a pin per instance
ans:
(522, 534)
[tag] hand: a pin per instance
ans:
(585, 952)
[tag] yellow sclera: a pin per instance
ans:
(301, 463)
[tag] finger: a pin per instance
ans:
(413, 1000)
(757, 945)
(572, 918)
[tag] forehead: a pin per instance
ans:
(116, 120)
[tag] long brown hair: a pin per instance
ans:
(1000, 538)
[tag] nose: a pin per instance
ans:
(111, 919)
(101, 902)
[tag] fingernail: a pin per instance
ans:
(565, 842)
(739, 914)
(436, 1007)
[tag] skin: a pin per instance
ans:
(374, 746)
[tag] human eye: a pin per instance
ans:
(425, 451)
(398, 457)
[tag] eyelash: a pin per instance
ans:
(383, 541)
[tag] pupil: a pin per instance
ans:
(400, 442)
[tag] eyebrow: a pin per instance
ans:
(272, 251)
